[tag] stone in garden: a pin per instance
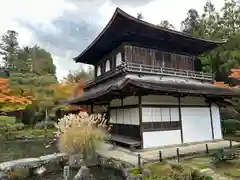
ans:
(132, 177)
(3, 176)
(83, 174)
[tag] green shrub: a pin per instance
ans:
(7, 120)
(179, 172)
(135, 171)
(41, 125)
(196, 175)
(230, 126)
(19, 126)
(8, 124)
(223, 155)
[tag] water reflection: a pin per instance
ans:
(97, 172)
(12, 150)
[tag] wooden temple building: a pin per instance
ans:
(151, 82)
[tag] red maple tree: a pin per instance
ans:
(10, 101)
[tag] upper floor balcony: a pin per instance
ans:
(166, 71)
(144, 69)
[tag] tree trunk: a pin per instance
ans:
(45, 127)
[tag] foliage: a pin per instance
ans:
(217, 25)
(81, 133)
(31, 72)
(77, 76)
(42, 124)
(173, 172)
(9, 48)
(8, 125)
(8, 100)
(38, 87)
(139, 16)
(35, 60)
(135, 171)
(223, 155)
(191, 24)
(166, 24)
(230, 126)
(26, 59)
(35, 132)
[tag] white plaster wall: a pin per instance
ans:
(125, 116)
(157, 99)
(161, 138)
(216, 122)
(196, 124)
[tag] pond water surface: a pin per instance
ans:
(12, 150)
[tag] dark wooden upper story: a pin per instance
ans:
(138, 46)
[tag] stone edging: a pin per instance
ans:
(123, 167)
(51, 162)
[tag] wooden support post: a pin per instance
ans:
(207, 150)
(180, 118)
(91, 109)
(140, 119)
(211, 119)
(139, 163)
(160, 156)
(178, 155)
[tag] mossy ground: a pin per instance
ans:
(229, 168)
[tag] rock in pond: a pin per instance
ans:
(83, 174)
(23, 167)
(3, 176)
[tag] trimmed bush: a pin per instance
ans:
(41, 125)
(8, 124)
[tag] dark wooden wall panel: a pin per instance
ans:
(148, 56)
(127, 130)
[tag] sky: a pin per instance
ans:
(66, 27)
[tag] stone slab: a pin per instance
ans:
(167, 152)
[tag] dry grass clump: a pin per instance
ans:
(81, 133)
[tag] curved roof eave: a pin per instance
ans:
(127, 16)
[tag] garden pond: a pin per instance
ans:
(17, 149)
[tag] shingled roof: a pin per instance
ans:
(124, 28)
(120, 86)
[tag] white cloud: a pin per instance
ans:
(95, 14)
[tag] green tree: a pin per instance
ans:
(37, 87)
(192, 22)
(210, 22)
(36, 60)
(9, 49)
(217, 25)
(230, 19)
(139, 16)
(166, 24)
(81, 75)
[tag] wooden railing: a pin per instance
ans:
(148, 69)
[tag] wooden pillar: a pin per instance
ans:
(140, 119)
(180, 117)
(91, 110)
(108, 112)
(211, 119)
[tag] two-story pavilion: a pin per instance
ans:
(150, 80)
